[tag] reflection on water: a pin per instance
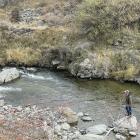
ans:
(100, 98)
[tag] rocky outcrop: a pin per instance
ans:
(8, 75)
(116, 64)
(91, 67)
(126, 125)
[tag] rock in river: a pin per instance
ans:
(134, 134)
(8, 75)
(97, 129)
(129, 123)
(86, 118)
(126, 125)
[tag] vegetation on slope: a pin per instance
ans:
(109, 25)
(110, 21)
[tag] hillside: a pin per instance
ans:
(89, 38)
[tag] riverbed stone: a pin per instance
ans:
(97, 129)
(8, 75)
(131, 133)
(86, 118)
(70, 115)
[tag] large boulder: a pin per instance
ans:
(125, 125)
(97, 129)
(70, 115)
(8, 75)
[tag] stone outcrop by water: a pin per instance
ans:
(8, 75)
(126, 125)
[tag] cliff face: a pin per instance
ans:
(89, 38)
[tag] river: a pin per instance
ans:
(99, 98)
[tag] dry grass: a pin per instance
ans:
(105, 19)
(26, 56)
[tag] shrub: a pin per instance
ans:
(104, 19)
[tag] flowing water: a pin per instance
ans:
(99, 98)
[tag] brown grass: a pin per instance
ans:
(26, 56)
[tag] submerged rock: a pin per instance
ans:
(8, 75)
(97, 129)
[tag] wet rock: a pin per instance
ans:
(80, 114)
(120, 137)
(97, 129)
(131, 133)
(8, 75)
(86, 118)
(70, 115)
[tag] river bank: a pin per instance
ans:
(33, 122)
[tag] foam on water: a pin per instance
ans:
(9, 89)
(34, 76)
(37, 77)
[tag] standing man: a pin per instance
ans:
(128, 102)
